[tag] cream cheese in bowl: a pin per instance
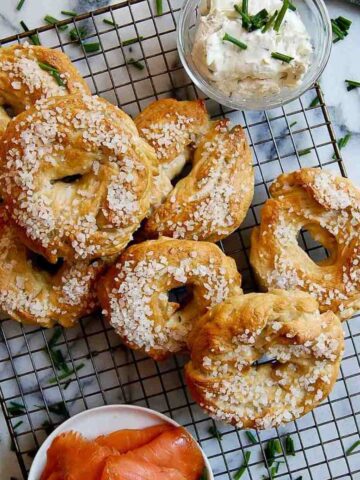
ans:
(268, 59)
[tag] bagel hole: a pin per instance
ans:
(181, 295)
(9, 110)
(68, 178)
(41, 264)
(318, 243)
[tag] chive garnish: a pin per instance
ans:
(35, 40)
(299, 478)
(303, 152)
(130, 41)
(272, 448)
(292, 6)
(251, 437)
(20, 5)
(215, 433)
(53, 21)
(351, 84)
(20, 422)
(281, 15)
(245, 11)
(292, 124)
(110, 22)
(289, 446)
(342, 142)
(340, 28)
(259, 20)
(55, 337)
(246, 21)
(159, 7)
(16, 409)
(235, 41)
(282, 57)
(53, 71)
(270, 22)
(137, 64)
(315, 101)
(91, 47)
(243, 467)
(78, 34)
(69, 13)
(59, 408)
(48, 427)
(353, 447)
(67, 373)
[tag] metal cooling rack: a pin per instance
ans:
(280, 140)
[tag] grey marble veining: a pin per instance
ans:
(345, 114)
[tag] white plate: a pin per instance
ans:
(100, 421)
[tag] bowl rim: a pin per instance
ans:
(40, 457)
(223, 99)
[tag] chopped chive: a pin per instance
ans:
(110, 22)
(292, 124)
(69, 13)
(337, 30)
(17, 424)
(303, 152)
(351, 84)
(289, 446)
(299, 478)
(16, 409)
(32, 452)
(67, 374)
(353, 447)
(340, 28)
(78, 34)
(292, 6)
(342, 142)
(251, 437)
(243, 467)
(344, 23)
(281, 57)
(59, 408)
(281, 15)
(20, 5)
(159, 7)
(53, 71)
(91, 47)
(48, 427)
(53, 21)
(130, 41)
(137, 64)
(55, 337)
(35, 40)
(246, 21)
(215, 433)
(259, 20)
(315, 101)
(270, 22)
(235, 41)
(272, 448)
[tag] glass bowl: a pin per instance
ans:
(317, 22)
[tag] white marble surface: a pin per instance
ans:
(344, 106)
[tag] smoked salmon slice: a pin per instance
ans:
(72, 457)
(122, 468)
(174, 449)
(125, 440)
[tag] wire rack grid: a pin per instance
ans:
(34, 396)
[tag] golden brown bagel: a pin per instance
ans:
(213, 199)
(23, 82)
(95, 146)
(307, 347)
(31, 294)
(173, 128)
(134, 293)
(328, 207)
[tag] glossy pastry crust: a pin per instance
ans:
(173, 128)
(23, 82)
(31, 294)
(285, 326)
(76, 177)
(214, 198)
(329, 208)
(134, 293)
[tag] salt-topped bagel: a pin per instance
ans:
(173, 128)
(285, 326)
(29, 293)
(329, 208)
(134, 293)
(76, 177)
(30, 73)
(213, 199)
